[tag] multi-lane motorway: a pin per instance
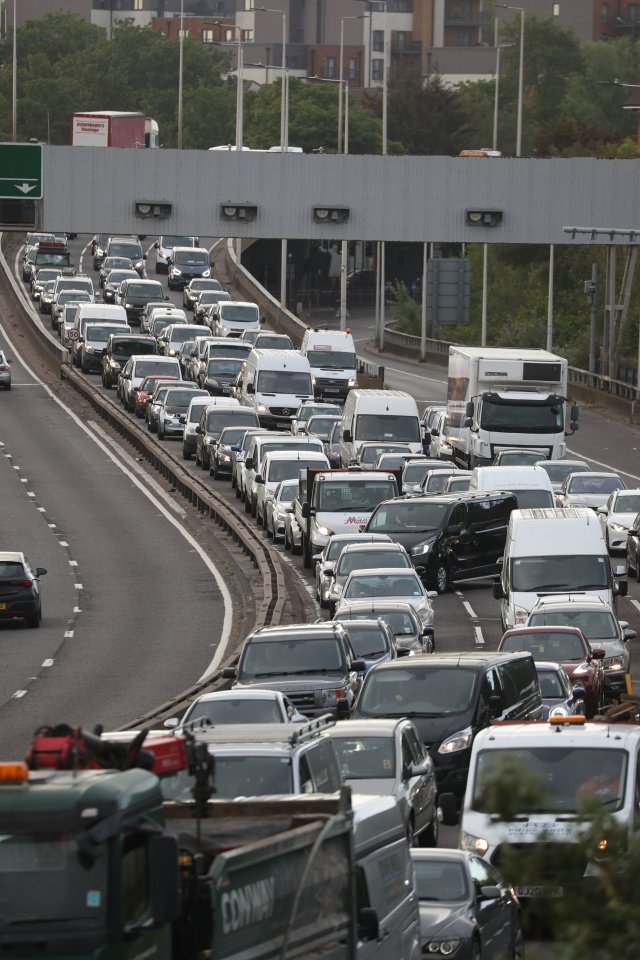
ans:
(134, 609)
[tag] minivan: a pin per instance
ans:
(274, 383)
(450, 697)
(453, 536)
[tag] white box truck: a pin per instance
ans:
(500, 398)
(332, 358)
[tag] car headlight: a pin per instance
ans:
(172, 352)
(446, 948)
(581, 669)
(614, 663)
(176, 272)
(328, 696)
(457, 741)
(335, 590)
(617, 526)
(207, 273)
(473, 844)
(313, 380)
(262, 408)
(352, 382)
(214, 383)
(114, 364)
(138, 265)
(420, 549)
(324, 531)
(128, 306)
(209, 441)
(89, 349)
(225, 458)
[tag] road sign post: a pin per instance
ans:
(20, 171)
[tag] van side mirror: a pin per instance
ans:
(621, 588)
(489, 893)
(347, 436)
(495, 706)
(306, 510)
(250, 388)
(342, 710)
(498, 592)
(229, 673)
(468, 410)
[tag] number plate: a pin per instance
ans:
(3, 606)
(540, 891)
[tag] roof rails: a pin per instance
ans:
(306, 731)
(253, 734)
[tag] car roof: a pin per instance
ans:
(468, 658)
(542, 630)
(373, 547)
(572, 601)
(369, 728)
(372, 604)
(307, 631)
(235, 694)
(10, 555)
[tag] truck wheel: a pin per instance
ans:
(442, 578)
(306, 552)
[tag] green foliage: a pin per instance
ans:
(438, 119)
(405, 310)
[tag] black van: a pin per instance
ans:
(453, 536)
(450, 697)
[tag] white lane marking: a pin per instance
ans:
(42, 509)
(469, 609)
(82, 253)
(22, 479)
(63, 543)
(47, 663)
(580, 456)
(77, 610)
(52, 526)
(78, 586)
(30, 493)
(68, 633)
(635, 603)
(136, 468)
(73, 563)
(479, 637)
(18, 694)
(213, 570)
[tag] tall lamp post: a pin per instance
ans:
(359, 16)
(506, 6)
(180, 74)
(14, 81)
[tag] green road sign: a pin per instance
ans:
(21, 171)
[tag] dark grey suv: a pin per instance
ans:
(313, 664)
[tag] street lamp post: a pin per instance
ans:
(359, 16)
(14, 81)
(520, 76)
(180, 74)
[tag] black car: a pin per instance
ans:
(312, 664)
(467, 909)
(112, 283)
(221, 374)
(120, 347)
(453, 536)
(20, 589)
(134, 295)
(187, 263)
(212, 422)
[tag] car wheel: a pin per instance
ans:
(411, 837)
(33, 622)
(254, 509)
(306, 552)
(237, 490)
(637, 569)
(430, 836)
(442, 578)
(186, 455)
(247, 505)
(476, 951)
(84, 366)
(205, 466)
(517, 946)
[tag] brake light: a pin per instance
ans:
(20, 583)
(5, 366)
(14, 772)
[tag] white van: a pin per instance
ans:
(192, 419)
(281, 465)
(576, 762)
(261, 444)
(274, 383)
(230, 318)
(531, 484)
(382, 415)
(386, 881)
(550, 551)
(94, 313)
(332, 358)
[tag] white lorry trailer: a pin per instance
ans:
(500, 398)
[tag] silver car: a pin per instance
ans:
(325, 561)
(365, 556)
(238, 706)
(276, 509)
(5, 371)
(386, 758)
(588, 489)
(617, 516)
(559, 470)
(392, 584)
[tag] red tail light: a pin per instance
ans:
(5, 366)
(21, 583)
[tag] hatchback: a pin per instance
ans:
(407, 629)
(617, 516)
(364, 556)
(391, 584)
(588, 489)
(20, 589)
(5, 371)
(276, 509)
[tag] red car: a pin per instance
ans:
(145, 390)
(568, 647)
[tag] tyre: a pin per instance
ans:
(197, 458)
(517, 944)
(185, 453)
(306, 552)
(259, 518)
(237, 489)
(429, 838)
(213, 471)
(160, 432)
(247, 504)
(33, 621)
(254, 508)
(476, 951)
(442, 577)
(411, 837)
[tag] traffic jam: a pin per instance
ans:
(385, 507)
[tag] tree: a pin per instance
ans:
(426, 119)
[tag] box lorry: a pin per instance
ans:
(95, 863)
(113, 128)
(498, 398)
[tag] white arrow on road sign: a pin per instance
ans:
(25, 187)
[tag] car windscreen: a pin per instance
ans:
(218, 419)
(178, 398)
(182, 333)
(440, 880)
(239, 776)
(561, 573)
(287, 469)
(68, 295)
(367, 641)
(171, 242)
(594, 624)
(239, 313)
(232, 435)
(155, 292)
(340, 496)
(557, 647)
(627, 503)
(237, 710)
(276, 342)
(381, 585)
(320, 426)
(152, 368)
(563, 778)
(116, 277)
(370, 453)
(436, 691)
(127, 348)
(132, 251)
(370, 559)
(332, 359)
(403, 516)
(219, 366)
(230, 349)
(270, 658)
(521, 416)
(387, 426)
(284, 381)
(532, 497)
(558, 471)
(96, 334)
(366, 758)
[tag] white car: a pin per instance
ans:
(276, 509)
(283, 465)
(588, 489)
(439, 446)
(238, 706)
(325, 561)
(307, 410)
(392, 584)
(559, 470)
(617, 516)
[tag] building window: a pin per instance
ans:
(183, 33)
(378, 41)
(329, 68)
(249, 4)
(352, 70)
(377, 69)
(464, 39)
(138, 4)
(207, 36)
(247, 36)
(605, 13)
(400, 40)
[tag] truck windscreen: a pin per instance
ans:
(521, 417)
(340, 496)
(332, 359)
(562, 573)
